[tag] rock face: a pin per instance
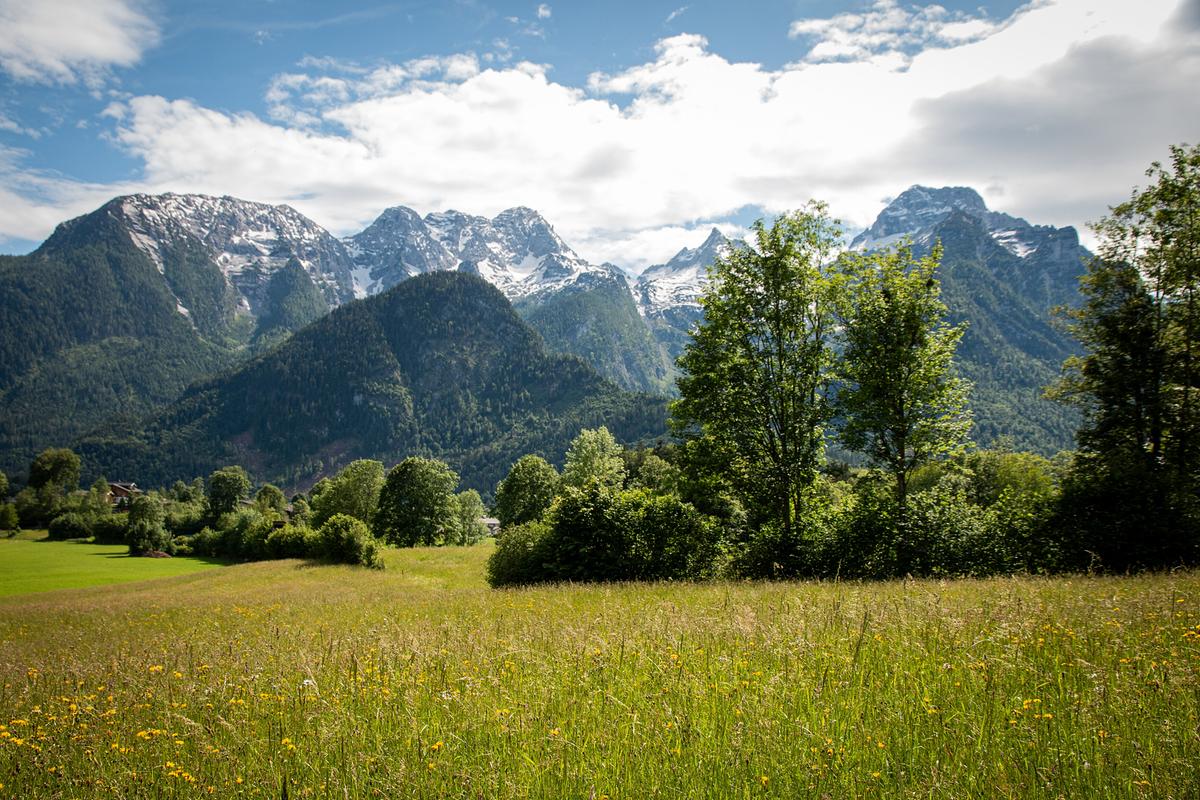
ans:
(440, 364)
(247, 241)
(517, 251)
(582, 309)
(679, 282)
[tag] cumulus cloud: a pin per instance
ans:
(1053, 113)
(543, 11)
(886, 29)
(69, 41)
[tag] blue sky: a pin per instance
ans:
(632, 126)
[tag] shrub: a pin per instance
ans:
(9, 521)
(110, 529)
(145, 532)
(70, 526)
(521, 555)
(345, 539)
(598, 534)
(292, 541)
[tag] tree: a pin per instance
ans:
(594, 454)
(757, 369)
(57, 467)
(8, 517)
(353, 491)
(345, 539)
(417, 505)
(270, 498)
(1132, 493)
(226, 489)
(469, 510)
(526, 492)
(900, 402)
(146, 532)
(3, 488)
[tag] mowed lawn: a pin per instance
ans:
(290, 679)
(30, 563)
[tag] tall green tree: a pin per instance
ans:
(353, 491)
(270, 498)
(57, 467)
(417, 505)
(757, 370)
(526, 492)
(594, 454)
(226, 488)
(900, 401)
(468, 507)
(3, 488)
(1133, 493)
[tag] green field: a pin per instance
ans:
(286, 679)
(29, 563)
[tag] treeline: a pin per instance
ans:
(346, 518)
(799, 345)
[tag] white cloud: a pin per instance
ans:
(886, 29)
(68, 41)
(674, 15)
(543, 11)
(1029, 110)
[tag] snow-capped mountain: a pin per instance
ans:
(249, 242)
(680, 281)
(919, 209)
(517, 251)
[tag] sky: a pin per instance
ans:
(633, 127)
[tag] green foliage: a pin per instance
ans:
(3, 487)
(439, 365)
(1132, 499)
(292, 301)
(526, 492)
(270, 498)
(600, 534)
(292, 541)
(91, 338)
(600, 323)
(227, 487)
(9, 521)
(417, 505)
(759, 363)
(594, 455)
(110, 529)
(468, 511)
(347, 540)
(658, 475)
(353, 491)
(900, 402)
(146, 531)
(58, 467)
(301, 512)
(521, 556)
(71, 525)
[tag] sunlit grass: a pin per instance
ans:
(29, 563)
(419, 681)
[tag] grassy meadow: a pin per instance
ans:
(284, 679)
(31, 563)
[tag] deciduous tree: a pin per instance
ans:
(758, 366)
(900, 402)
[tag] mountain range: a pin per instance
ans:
(119, 311)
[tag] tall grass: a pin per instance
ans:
(282, 678)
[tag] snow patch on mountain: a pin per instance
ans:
(680, 281)
(517, 251)
(247, 241)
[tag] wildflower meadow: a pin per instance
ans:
(285, 679)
